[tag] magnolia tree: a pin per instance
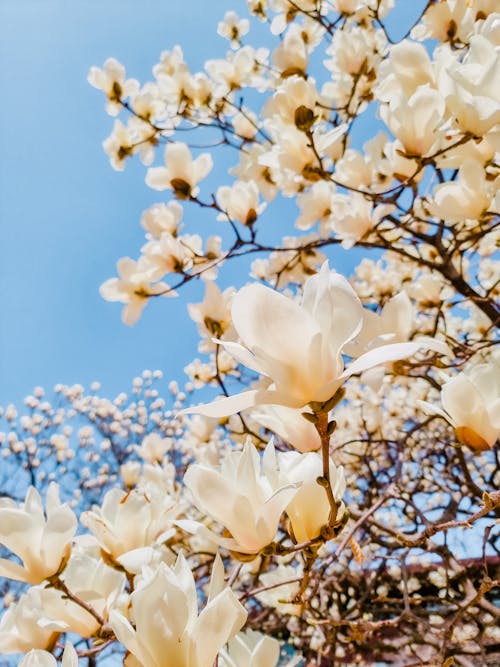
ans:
(333, 501)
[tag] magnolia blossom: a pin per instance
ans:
(40, 658)
(181, 172)
(250, 649)
(161, 218)
(240, 202)
(111, 80)
(93, 582)
(466, 198)
(168, 627)
(241, 498)
(133, 288)
(21, 628)
(153, 448)
(213, 315)
(42, 540)
(472, 88)
(416, 121)
(299, 345)
(309, 509)
(130, 521)
(471, 404)
(233, 28)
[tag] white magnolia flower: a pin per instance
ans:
(161, 218)
(21, 628)
(92, 581)
(250, 649)
(128, 521)
(299, 345)
(471, 404)
(134, 287)
(40, 658)
(153, 448)
(240, 202)
(181, 172)
(168, 627)
(415, 121)
(233, 28)
(111, 80)
(240, 497)
(213, 315)
(468, 197)
(309, 508)
(42, 540)
(472, 88)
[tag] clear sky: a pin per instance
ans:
(65, 216)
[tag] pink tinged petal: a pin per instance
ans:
(158, 178)
(220, 620)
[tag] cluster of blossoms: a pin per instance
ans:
(337, 499)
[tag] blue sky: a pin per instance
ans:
(65, 216)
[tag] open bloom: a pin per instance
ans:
(471, 404)
(134, 287)
(21, 626)
(181, 172)
(42, 540)
(92, 581)
(168, 628)
(299, 345)
(129, 521)
(240, 497)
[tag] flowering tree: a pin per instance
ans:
(336, 494)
